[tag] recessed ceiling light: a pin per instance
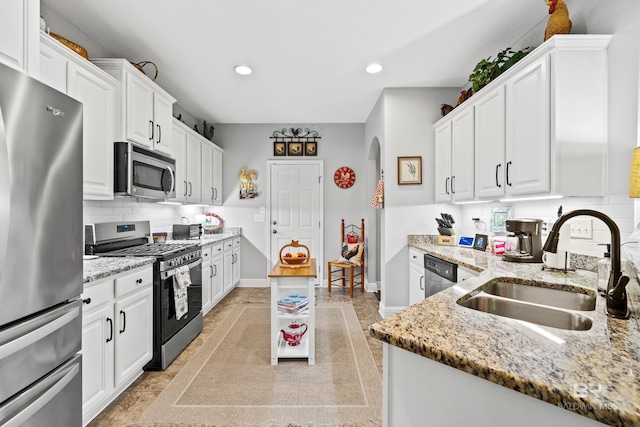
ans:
(243, 69)
(374, 68)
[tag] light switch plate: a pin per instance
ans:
(581, 229)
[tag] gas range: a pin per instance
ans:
(131, 239)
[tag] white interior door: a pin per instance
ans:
(295, 208)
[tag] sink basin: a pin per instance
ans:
(528, 312)
(540, 295)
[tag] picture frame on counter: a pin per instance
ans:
(410, 170)
(480, 242)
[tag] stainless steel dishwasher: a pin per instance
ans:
(440, 274)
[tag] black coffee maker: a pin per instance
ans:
(528, 231)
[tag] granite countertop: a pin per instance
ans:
(547, 366)
(102, 267)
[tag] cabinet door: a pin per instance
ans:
(528, 154)
(235, 268)
(97, 94)
(139, 99)
(180, 154)
(462, 155)
(443, 162)
(53, 65)
(207, 280)
(216, 176)
(19, 34)
(227, 274)
(162, 116)
(134, 331)
(207, 173)
(490, 144)
(217, 286)
(194, 170)
(97, 355)
(416, 283)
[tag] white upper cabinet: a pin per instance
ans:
(454, 161)
(19, 28)
(180, 154)
(528, 155)
(69, 73)
(489, 143)
(540, 128)
(145, 109)
(211, 173)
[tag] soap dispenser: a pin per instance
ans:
(604, 268)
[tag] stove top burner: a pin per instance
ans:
(152, 249)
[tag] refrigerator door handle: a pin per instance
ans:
(23, 335)
(31, 401)
(5, 191)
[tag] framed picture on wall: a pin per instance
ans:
(295, 149)
(279, 149)
(409, 170)
(311, 148)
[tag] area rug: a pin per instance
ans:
(230, 380)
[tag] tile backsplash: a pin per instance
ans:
(619, 207)
(161, 216)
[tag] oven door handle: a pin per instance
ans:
(169, 273)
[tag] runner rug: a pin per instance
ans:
(230, 380)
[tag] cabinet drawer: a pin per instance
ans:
(228, 244)
(134, 281)
(416, 257)
(217, 249)
(206, 253)
(96, 295)
(236, 242)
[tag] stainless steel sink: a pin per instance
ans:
(541, 295)
(528, 312)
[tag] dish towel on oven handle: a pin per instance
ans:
(181, 280)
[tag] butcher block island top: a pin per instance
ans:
(300, 270)
(605, 359)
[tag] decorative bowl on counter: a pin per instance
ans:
(294, 254)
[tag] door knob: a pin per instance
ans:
(275, 222)
(275, 231)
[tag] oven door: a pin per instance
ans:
(169, 324)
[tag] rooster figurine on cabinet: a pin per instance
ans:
(559, 22)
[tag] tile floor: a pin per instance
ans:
(125, 410)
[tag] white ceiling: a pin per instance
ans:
(308, 56)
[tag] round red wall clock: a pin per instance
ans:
(344, 177)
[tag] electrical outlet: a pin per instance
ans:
(581, 229)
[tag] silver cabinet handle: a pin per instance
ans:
(422, 283)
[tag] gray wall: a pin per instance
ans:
(250, 146)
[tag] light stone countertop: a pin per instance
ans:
(510, 354)
(102, 267)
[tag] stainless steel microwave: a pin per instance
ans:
(139, 172)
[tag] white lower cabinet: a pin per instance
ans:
(220, 271)
(212, 276)
(416, 276)
(235, 261)
(227, 266)
(117, 331)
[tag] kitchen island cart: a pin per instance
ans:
(293, 311)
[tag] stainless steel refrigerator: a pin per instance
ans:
(40, 254)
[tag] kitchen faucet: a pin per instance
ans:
(616, 294)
